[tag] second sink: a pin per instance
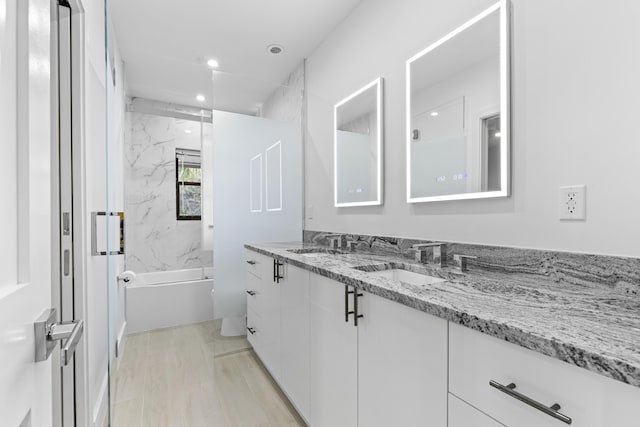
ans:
(406, 276)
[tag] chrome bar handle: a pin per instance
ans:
(347, 313)
(72, 337)
(251, 262)
(94, 233)
(48, 332)
(552, 410)
(251, 330)
(252, 293)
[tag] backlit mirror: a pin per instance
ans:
(358, 147)
(458, 113)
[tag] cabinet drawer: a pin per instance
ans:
(254, 262)
(461, 414)
(254, 289)
(590, 399)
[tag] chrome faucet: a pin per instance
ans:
(432, 253)
(337, 241)
(460, 261)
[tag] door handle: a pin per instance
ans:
(48, 332)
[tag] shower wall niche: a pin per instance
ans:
(155, 239)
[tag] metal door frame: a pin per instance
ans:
(70, 391)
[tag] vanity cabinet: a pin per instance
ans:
(278, 324)
(391, 369)
(589, 399)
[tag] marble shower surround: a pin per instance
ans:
(155, 240)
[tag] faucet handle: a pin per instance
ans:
(460, 261)
(435, 252)
(337, 241)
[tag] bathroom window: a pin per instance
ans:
(188, 179)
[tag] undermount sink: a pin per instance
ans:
(406, 276)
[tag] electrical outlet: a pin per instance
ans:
(572, 203)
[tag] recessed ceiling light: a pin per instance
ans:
(275, 49)
(187, 131)
(212, 63)
(200, 98)
(434, 113)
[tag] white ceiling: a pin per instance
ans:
(165, 45)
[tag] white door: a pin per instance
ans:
(25, 261)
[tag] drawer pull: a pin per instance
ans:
(549, 410)
(251, 262)
(251, 330)
(347, 313)
(252, 293)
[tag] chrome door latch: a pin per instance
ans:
(48, 332)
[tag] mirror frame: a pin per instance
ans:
(379, 84)
(505, 107)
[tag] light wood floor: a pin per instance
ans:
(191, 376)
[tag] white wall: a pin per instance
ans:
(575, 96)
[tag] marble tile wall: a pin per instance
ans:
(608, 273)
(155, 240)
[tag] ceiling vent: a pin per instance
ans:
(275, 49)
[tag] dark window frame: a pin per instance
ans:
(178, 184)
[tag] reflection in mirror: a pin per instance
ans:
(457, 113)
(358, 147)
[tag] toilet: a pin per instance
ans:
(231, 326)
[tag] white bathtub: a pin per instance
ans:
(169, 298)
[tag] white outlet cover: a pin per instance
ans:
(572, 203)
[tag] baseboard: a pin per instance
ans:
(101, 403)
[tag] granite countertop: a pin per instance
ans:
(585, 325)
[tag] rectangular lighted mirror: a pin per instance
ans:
(458, 113)
(358, 147)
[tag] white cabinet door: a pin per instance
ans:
(402, 363)
(333, 357)
(294, 350)
(270, 316)
(461, 414)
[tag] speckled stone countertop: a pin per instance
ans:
(593, 327)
